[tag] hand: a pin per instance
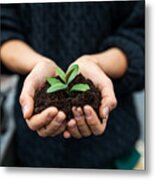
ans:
(49, 122)
(86, 121)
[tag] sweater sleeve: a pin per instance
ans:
(129, 37)
(10, 26)
(10, 23)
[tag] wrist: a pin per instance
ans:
(47, 60)
(43, 61)
(39, 59)
(19, 57)
(113, 62)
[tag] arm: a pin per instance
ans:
(16, 55)
(129, 38)
(122, 59)
(112, 61)
(19, 57)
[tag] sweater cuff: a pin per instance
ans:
(133, 79)
(10, 35)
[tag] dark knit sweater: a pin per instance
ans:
(64, 32)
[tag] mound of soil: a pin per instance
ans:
(65, 102)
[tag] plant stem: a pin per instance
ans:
(67, 91)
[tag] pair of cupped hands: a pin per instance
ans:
(52, 121)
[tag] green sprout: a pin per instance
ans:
(65, 80)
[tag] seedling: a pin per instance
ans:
(65, 80)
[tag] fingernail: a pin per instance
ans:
(88, 114)
(78, 116)
(105, 112)
(60, 121)
(72, 123)
(49, 118)
(25, 109)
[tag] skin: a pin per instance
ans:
(21, 58)
(86, 121)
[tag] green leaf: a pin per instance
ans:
(61, 74)
(80, 87)
(72, 73)
(52, 81)
(56, 87)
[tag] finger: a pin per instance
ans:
(107, 105)
(93, 121)
(26, 99)
(60, 130)
(104, 111)
(72, 128)
(43, 133)
(80, 121)
(109, 101)
(41, 119)
(108, 96)
(66, 134)
(53, 126)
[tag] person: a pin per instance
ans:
(106, 40)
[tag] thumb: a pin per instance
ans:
(26, 100)
(27, 104)
(108, 102)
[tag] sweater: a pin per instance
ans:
(64, 32)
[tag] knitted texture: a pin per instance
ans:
(64, 32)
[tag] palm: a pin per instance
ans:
(39, 74)
(91, 71)
(85, 120)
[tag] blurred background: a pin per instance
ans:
(7, 125)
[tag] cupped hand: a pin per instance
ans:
(86, 121)
(51, 121)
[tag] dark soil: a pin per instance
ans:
(64, 102)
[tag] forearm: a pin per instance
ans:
(113, 62)
(17, 56)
